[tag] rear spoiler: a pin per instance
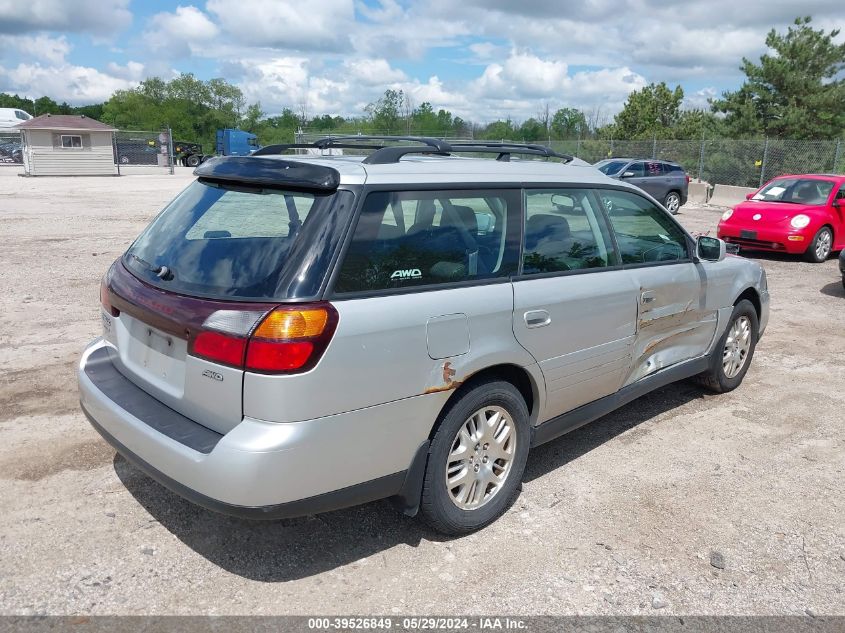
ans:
(269, 171)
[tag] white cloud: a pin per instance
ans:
(100, 17)
(63, 82)
(373, 72)
(132, 71)
(181, 32)
(42, 47)
(317, 25)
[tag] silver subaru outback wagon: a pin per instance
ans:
(299, 333)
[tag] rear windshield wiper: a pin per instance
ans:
(162, 272)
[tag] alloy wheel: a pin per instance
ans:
(737, 346)
(823, 245)
(673, 203)
(480, 460)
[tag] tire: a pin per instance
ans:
(476, 500)
(821, 246)
(124, 160)
(193, 160)
(722, 377)
(672, 202)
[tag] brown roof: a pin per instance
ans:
(64, 122)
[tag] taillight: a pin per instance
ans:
(219, 347)
(105, 301)
(288, 339)
(687, 177)
(291, 339)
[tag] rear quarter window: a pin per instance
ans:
(419, 238)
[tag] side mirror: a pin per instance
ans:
(748, 196)
(627, 174)
(710, 249)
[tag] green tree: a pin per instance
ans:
(531, 130)
(796, 91)
(568, 123)
(654, 110)
(386, 112)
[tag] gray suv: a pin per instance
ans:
(665, 181)
(299, 333)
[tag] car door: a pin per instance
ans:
(673, 322)
(837, 213)
(635, 174)
(575, 309)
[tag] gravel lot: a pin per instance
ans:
(682, 502)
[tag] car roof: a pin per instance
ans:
(813, 176)
(455, 170)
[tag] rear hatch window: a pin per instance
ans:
(227, 240)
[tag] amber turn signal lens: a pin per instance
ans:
(287, 324)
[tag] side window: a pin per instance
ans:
(841, 193)
(637, 168)
(644, 233)
(653, 168)
(420, 238)
(563, 231)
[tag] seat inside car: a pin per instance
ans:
(547, 234)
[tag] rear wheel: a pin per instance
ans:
(193, 160)
(477, 459)
(820, 247)
(732, 355)
(672, 202)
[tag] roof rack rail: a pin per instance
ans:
(506, 149)
(386, 154)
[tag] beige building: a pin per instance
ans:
(67, 145)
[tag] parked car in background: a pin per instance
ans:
(10, 117)
(137, 151)
(797, 214)
(663, 180)
(295, 334)
(11, 152)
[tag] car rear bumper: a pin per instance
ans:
(792, 242)
(258, 469)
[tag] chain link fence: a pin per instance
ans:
(143, 151)
(721, 161)
(743, 163)
(11, 150)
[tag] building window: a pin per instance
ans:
(71, 141)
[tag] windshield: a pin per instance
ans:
(224, 241)
(611, 167)
(796, 191)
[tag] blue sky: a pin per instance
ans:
(481, 59)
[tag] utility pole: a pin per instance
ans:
(763, 164)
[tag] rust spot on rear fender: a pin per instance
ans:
(448, 373)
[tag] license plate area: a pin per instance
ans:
(748, 235)
(155, 357)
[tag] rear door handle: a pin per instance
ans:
(647, 297)
(537, 318)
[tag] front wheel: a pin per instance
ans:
(732, 355)
(477, 459)
(672, 202)
(193, 160)
(820, 247)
